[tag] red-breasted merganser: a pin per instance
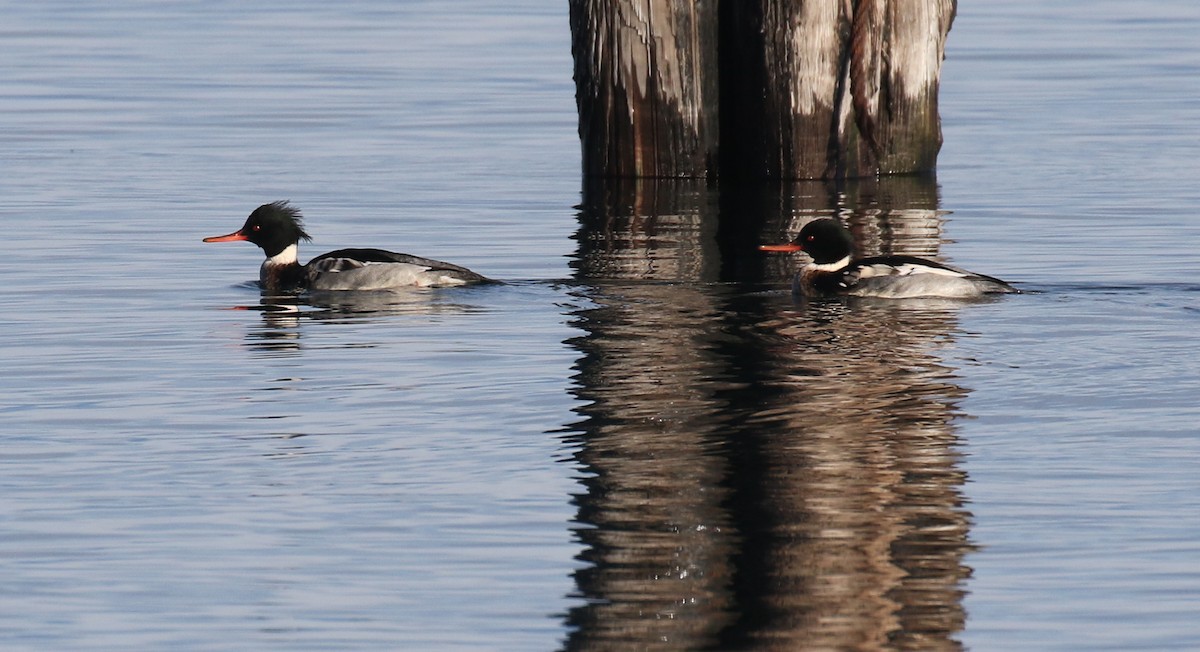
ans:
(278, 229)
(835, 272)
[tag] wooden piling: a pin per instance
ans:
(782, 89)
(645, 76)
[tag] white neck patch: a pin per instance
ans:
(285, 257)
(830, 267)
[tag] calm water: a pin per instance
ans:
(641, 441)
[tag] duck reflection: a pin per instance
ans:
(284, 314)
(763, 473)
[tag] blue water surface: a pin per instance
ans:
(615, 448)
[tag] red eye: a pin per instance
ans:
(256, 227)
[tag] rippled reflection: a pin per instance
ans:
(283, 315)
(683, 230)
(764, 473)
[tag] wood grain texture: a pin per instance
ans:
(759, 89)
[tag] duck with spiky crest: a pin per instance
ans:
(278, 229)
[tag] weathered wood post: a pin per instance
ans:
(758, 88)
(645, 78)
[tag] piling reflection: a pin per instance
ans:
(684, 230)
(764, 473)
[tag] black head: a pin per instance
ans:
(274, 227)
(825, 240)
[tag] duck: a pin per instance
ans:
(834, 271)
(278, 228)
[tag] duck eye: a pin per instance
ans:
(256, 227)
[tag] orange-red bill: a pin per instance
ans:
(787, 248)
(232, 237)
